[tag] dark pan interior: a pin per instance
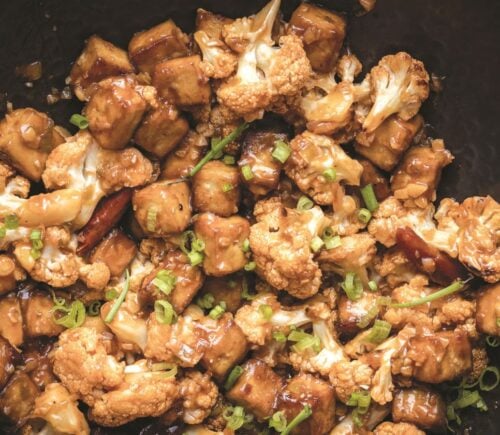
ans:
(457, 39)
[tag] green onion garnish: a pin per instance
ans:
(369, 197)
(379, 332)
(360, 399)
(281, 151)
(304, 341)
(151, 219)
(165, 281)
(11, 222)
(229, 160)
(217, 311)
(165, 312)
(372, 285)
(352, 286)
(119, 300)
(196, 246)
(452, 288)
(74, 314)
(168, 370)
(94, 308)
(219, 147)
(316, 244)
(304, 203)
(206, 301)
(364, 215)
(332, 242)
(384, 300)
(236, 417)
(491, 385)
(492, 341)
(250, 266)
(246, 245)
(266, 311)
(247, 173)
(279, 336)
(299, 418)
(330, 175)
(235, 373)
(245, 293)
(278, 422)
(368, 317)
(469, 398)
(79, 120)
(3, 231)
(227, 187)
(111, 294)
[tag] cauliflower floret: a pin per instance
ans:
(13, 190)
(84, 364)
(345, 221)
(347, 377)
(395, 267)
(199, 394)
(95, 275)
(81, 164)
(348, 426)
(280, 242)
(455, 310)
(59, 411)
(399, 85)
(264, 72)
(311, 156)
(218, 60)
(143, 393)
(389, 428)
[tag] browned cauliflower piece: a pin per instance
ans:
(389, 428)
(264, 72)
(84, 363)
(311, 156)
(58, 409)
(348, 377)
(218, 60)
(81, 164)
(399, 84)
(395, 267)
(143, 393)
(455, 310)
(199, 394)
(280, 242)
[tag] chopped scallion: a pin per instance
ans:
(167, 370)
(235, 373)
(229, 160)
(217, 311)
(368, 317)
(304, 203)
(165, 312)
(227, 187)
(279, 336)
(111, 294)
(299, 418)
(247, 173)
(316, 244)
(332, 242)
(79, 121)
(379, 332)
(278, 422)
(304, 341)
(330, 175)
(206, 301)
(250, 266)
(94, 308)
(452, 288)
(369, 197)
(236, 417)
(74, 314)
(281, 151)
(364, 215)
(492, 341)
(165, 281)
(372, 285)
(119, 300)
(246, 245)
(488, 371)
(352, 286)
(11, 222)
(266, 311)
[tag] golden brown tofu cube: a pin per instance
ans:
(212, 24)
(7, 361)
(184, 158)
(26, 138)
(420, 406)
(488, 310)
(116, 251)
(385, 146)
(305, 389)
(322, 33)
(99, 60)
(9, 273)
(188, 280)
(182, 82)
(18, 398)
(227, 346)
(256, 389)
(11, 326)
(161, 130)
(351, 312)
(227, 289)
(163, 207)
(114, 111)
(216, 189)
(223, 238)
(257, 152)
(161, 42)
(37, 312)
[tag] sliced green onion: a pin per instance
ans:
(368, 317)
(235, 417)
(94, 308)
(233, 376)
(219, 147)
(316, 244)
(245, 293)
(165, 312)
(187, 239)
(492, 341)
(111, 294)
(468, 398)
(281, 151)
(369, 197)
(227, 187)
(356, 418)
(452, 288)
(330, 174)
(364, 215)
(151, 219)
(304, 203)
(372, 285)
(35, 254)
(250, 266)
(299, 418)
(360, 399)
(327, 233)
(332, 242)
(197, 245)
(246, 170)
(36, 240)
(168, 370)
(213, 145)
(195, 258)
(278, 422)
(352, 286)
(384, 300)
(229, 160)
(379, 332)
(279, 336)
(304, 341)
(79, 120)
(206, 301)
(165, 281)
(3, 231)
(266, 311)
(492, 385)
(119, 300)
(11, 222)
(217, 311)
(246, 245)
(36, 234)
(74, 317)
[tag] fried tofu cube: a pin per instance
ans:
(38, 316)
(184, 158)
(322, 32)
(114, 111)
(212, 24)
(488, 310)
(117, 250)
(182, 82)
(7, 361)
(10, 273)
(227, 289)
(99, 60)
(227, 346)
(161, 130)
(256, 389)
(386, 145)
(17, 399)
(216, 189)
(161, 42)
(11, 327)
(223, 238)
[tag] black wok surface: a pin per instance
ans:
(456, 39)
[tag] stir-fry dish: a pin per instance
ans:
(241, 235)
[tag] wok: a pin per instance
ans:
(456, 39)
